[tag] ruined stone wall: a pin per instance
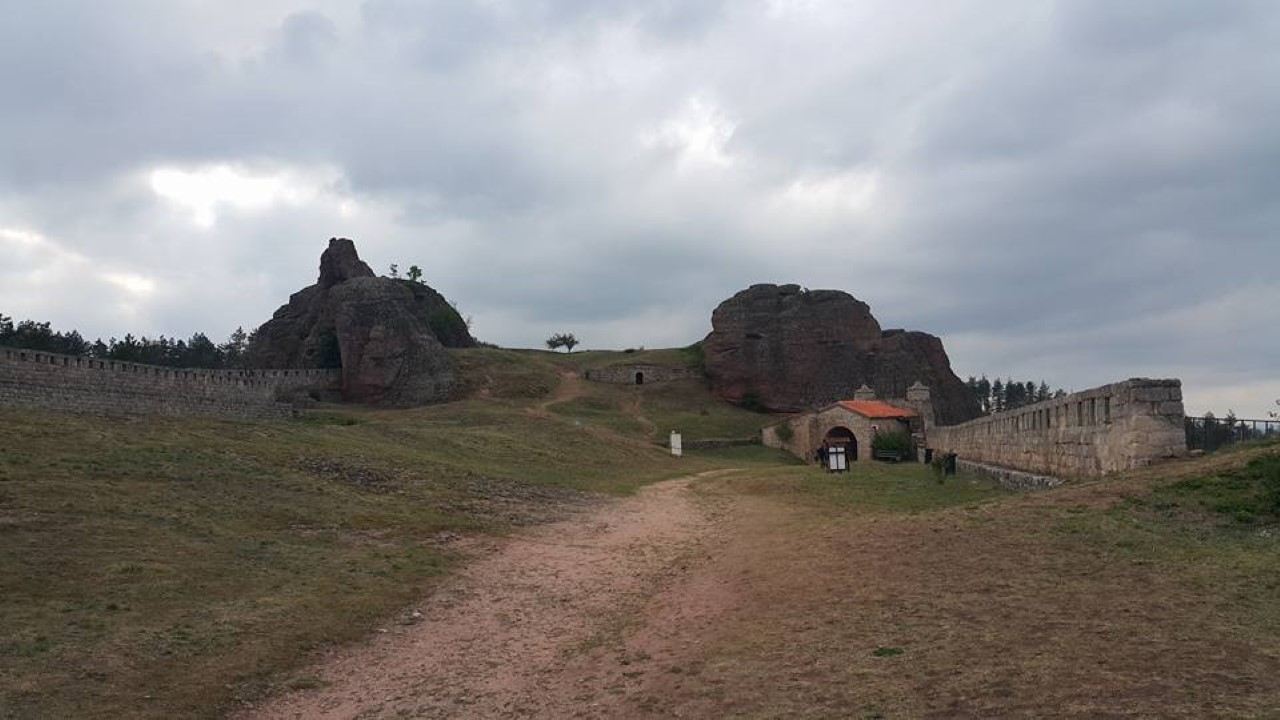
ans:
(1086, 434)
(33, 379)
(626, 374)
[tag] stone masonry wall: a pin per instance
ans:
(626, 374)
(1086, 434)
(809, 430)
(41, 380)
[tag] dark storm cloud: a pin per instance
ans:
(1080, 191)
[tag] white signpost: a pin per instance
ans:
(677, 449)
(836, 460)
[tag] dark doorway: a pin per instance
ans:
(639, 378)
(843, 437)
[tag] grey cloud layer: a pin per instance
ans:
(1035, 181)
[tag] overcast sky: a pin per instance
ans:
(1080, 191)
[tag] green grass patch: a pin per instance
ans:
(1214, 535)
(687, 406)
(1247, 495)
(602, 409)
(869, 487)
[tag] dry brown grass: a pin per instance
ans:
(1059, 603)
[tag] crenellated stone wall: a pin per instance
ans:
(42, 380)
(627, 374)
(1092, 433)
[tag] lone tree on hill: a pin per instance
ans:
(415, 273)
(562, 340)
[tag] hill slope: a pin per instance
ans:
(213, 553)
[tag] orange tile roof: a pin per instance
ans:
(875, 409)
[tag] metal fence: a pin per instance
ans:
(1209, 433)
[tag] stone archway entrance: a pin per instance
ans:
(639, 378)
(843, 437)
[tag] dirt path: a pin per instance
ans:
(728, 595)
(568, 620)
(570, 388)
(637, 411)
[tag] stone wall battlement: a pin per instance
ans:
(38, 379)
(636, 374)
(1092, 433)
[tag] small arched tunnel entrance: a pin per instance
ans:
(843, 436)
(639, 378)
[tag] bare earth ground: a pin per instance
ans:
(545, 625)
(702, 598)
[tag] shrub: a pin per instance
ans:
(943, 464)
(447, 325)
(897, 442)
(1247, 495)
(1267, 470)
(328, 351)
(785, 433)
(695, 357)
(751, 401)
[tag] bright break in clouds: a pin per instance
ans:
(1080, 191)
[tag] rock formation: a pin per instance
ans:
(790, 349)
(387, 335)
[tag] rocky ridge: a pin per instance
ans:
(387, 335)
(790, 349)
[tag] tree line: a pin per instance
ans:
(1008, 394)
(198, 351)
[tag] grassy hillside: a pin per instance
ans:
(648, 412)
(213, 553)
(1151, 594)
(164, 568)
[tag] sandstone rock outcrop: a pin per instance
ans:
(387, 335)
(389, 355)
(791, 349)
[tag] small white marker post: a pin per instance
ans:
(677, 449)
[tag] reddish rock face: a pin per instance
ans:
(389, 355)
(789, 350)
(341, 262)
(388, 335)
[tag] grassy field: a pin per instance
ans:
(1151, 595)
(170, 568)
(162, 567)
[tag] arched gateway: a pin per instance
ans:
(840, 436)
(848, 424)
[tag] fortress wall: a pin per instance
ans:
(626, 374)
(36, 379)
(1086, 434)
